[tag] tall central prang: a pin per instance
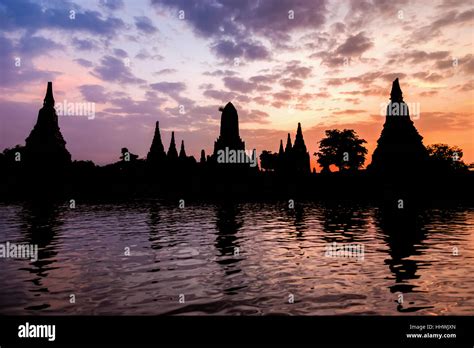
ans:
(45, 146)
(229, 136)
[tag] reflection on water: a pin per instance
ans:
(245, 258)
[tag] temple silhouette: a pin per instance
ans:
(400, 149)
(229, 132)
(45, 146)
(157, 154)
(295, 158)
(400, 167)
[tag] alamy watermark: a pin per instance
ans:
(343, 250)
(19, 251)
(28, 330)
(237, 156)
(400, 109)
(75, 109)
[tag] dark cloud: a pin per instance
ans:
(226, 96)
(32, 46)
(145, 25)
(428, 93)
(220, 73)
(465, 64)
(169, 88)
(144, 54)
(173, 90)
(349, 112)
(269, 78)
(84, 45)
(238, 21)
(447, 4)
(30, 15)
(222, 96)
(240, 85)
(416, 56)
(253, 116)
(292, 83)
(296, 70)
(362, 13)
(299, 101)
(444, 121)
(206, 86)
(466, 87)
(84, 62)
(211, 18)
(17, 65)
(94, 93)
(427, 76)
(365, 80)
(334, 81)
(355, 45)
(352, 100)
(112, 4)
(127, 106)
(165, 71)
(230, 50)
(114, 69)
(433, 30)
(120, 53)
(368, 92)
(329, 59)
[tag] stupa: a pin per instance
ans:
(45, 146)
(400, 149)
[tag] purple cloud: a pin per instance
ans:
(229, 50)
(84, 45)
(355, 45)
(94, 93)
(145, 25)
(113, 69)
(169, 88)
(111, 4)
(17, 66)
(240, 20)
(84, 62)
(30, 15)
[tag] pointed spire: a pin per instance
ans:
(288, 144)
(49, 99)
(299, 133)
(400, 150)
(172, 152)
(203, 157)
(157, 150)
(182, 151)
(299, 144)
(396, 94)
(280, 151)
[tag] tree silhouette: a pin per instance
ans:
(268, 160)
(445, 157)
(343, 149)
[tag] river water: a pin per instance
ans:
(152, 257)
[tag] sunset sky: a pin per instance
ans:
(326, 64)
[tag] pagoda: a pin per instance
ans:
(45, 146)
(157, 151)
(172, 152)
(400, 149)
(300, 154)
(229, 133)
